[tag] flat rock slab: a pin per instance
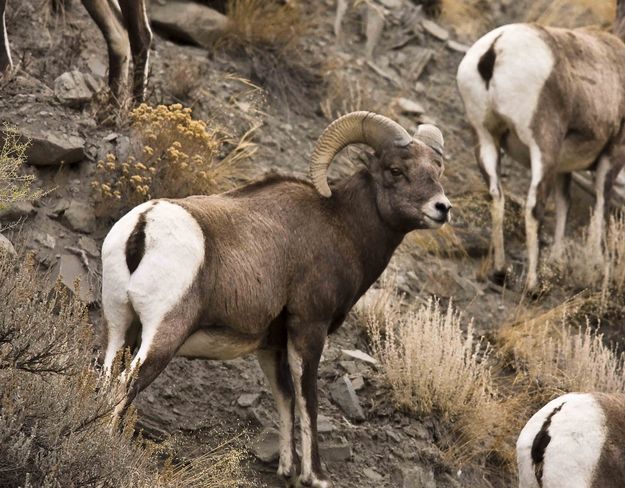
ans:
(80, 217)
(6, 247)
(435, 30)
(71, 272)
(51, 148)
(188, 21)
(344, 395)
(266, 447)
(75, 88)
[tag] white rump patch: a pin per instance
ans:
(577, 433)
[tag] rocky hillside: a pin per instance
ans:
(380, 55)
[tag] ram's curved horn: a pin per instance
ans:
(432, 136)
(357, 127)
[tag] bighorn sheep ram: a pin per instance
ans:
(126, 30)
(575, 441)
(271, 268)
(552, 99)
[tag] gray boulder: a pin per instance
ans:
(187, 21)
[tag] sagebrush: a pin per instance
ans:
(172, 155)
(15, 185)
(55, 407)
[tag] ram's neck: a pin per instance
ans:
(372, 237)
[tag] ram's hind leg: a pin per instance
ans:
(140, 36)
(488, 154)
(563, 202)
(275, 365)
(5, 51)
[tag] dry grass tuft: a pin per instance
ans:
(14, 185)
(556, 357)
(572, 13)
(55, 408)
(344, 94)
(441, 243)
(588, 263)
(173, 155)
(269, 34)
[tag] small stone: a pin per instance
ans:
(96, 66)
(372, 475)
(358, 354)
(266, 447)
(80, 217)
(324, 424)
(349, 367)
(344, 395)
(412, 477)
(6, 247)
(46, 240)
(248, 400)
(75, 88)
(70, 271)
(391, 3)
(89, 245)
(17, 211)
(408, 106)
(393, 435)
(457, 46)
(435, 30)
(111, 137)
(334, 452)
(358, 382)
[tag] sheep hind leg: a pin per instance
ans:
(161, 337)
(140, 36)
(5, 51)
(563, 203)
(276, 368)
(488, 154)
(541, 181)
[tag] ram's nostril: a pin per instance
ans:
(442, 207)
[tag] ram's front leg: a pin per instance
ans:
(305, 345)
(275, 365)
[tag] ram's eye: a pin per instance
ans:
(395, 171)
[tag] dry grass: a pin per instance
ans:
(15, 186)
(441, 243)
(183, 79)
(344, 94)
(55, 408)
(269, 34)
(572, 13)
(432, 365)
(172, 155)
(558, 357)
(594, 264)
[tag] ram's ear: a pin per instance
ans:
(432, 136)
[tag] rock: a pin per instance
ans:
(52, 147)
(344, 395)
(375, 26)
(358, 354)
(89, 245)
(457, 46)
(408, 106)
(6, 247)
(335, 452)
(75, 88)
(188, 21)
(17, 211)
(69, 271)
(349, 367)
(46, 240)
(80, 217)
(96, 66)
(435, 30)
(248, 399)
(324, 424)
(266, 447)
(358, 382)
(390, 3)
(412, 477)
(372, 475)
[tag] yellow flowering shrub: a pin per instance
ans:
(172, 155)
